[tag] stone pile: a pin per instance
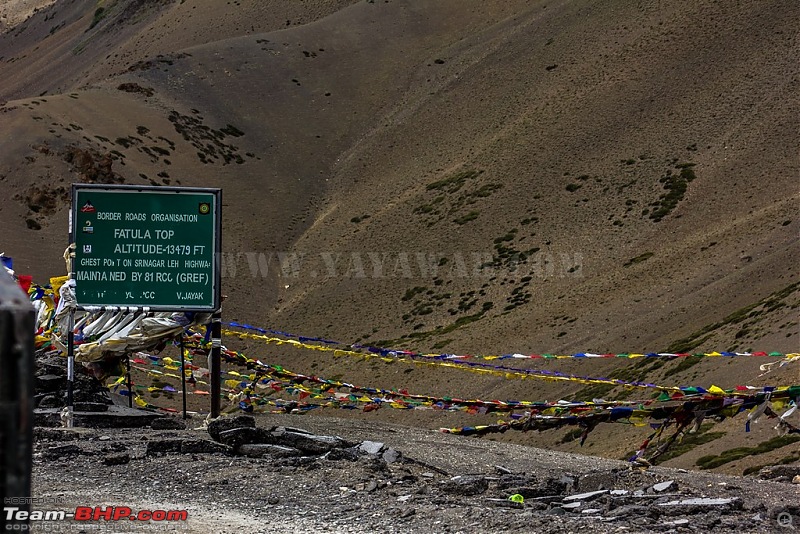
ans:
(615, 497)
(92, 402)
(50, 386)
(240, 436)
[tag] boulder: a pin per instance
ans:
(391, 456)
(245, 435)
(661, 487)
(371, 447)
(309, 443)
(221, 424)
(58, 451)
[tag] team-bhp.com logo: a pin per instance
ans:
(89, 513)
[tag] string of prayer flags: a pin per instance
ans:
(579, 355)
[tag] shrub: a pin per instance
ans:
(731, 455)
(99, 13)
(676, 186)
(638, 259)
(454, 182)
(689, 442)
(231, 130)
(687, 362)
(464, 219)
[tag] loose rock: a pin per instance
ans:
(585, 496)
(168, 423)
(162, 446)
(189, 446)
(116, 459)
(466, 485)
(371, 447)
(260, 450)
(669, 485)
(63, 450)
(236, 437)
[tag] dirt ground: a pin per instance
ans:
(431, 482)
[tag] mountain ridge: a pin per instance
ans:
(640, 156)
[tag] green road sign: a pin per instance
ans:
(155, 247)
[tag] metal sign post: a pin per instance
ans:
(128, 380)
(183, 375)
(68, 421)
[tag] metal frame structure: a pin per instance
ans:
(216, 341)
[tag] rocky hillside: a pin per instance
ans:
(514, 177)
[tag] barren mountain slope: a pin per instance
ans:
(76, 42)
(512, 177)
(13, 12)
(571, 157)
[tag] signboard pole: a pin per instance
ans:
(71, 330)
(183, 374)
(214, 362)
(128, 379)
(70, 367)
